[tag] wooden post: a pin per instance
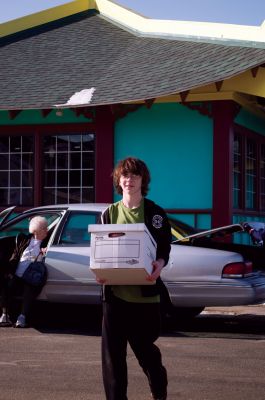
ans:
(223, 135)
(104, 155)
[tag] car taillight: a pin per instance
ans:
(237, 270)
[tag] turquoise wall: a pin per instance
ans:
(34, 117)
(177, 145)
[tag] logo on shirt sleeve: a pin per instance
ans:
(157, 221)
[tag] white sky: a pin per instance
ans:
(242, 12)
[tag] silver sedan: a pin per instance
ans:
(201, 272)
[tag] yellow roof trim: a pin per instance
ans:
(244, 83)
(242, 89)
(199, 96)
(138, 23)
(148, 26)
(43, 17)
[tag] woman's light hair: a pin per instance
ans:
(37, 223)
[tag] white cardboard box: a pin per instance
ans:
(122, 254)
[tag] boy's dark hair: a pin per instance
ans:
(131, 165)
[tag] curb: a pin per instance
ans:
(257, 309)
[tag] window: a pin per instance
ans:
(21, 225)
(262, 177)
(69, 171)
(249, 172)
(76, 229)
(16, 170)
(237, 171)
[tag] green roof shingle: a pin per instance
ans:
(44, 67)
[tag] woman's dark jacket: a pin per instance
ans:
(158, 225)
(22, 242)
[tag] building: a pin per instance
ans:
(90, 82)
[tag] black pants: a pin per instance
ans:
(138, 324)
(15, 286)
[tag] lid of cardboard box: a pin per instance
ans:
(117, 228)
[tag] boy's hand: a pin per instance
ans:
(158, 265)
(101, 281)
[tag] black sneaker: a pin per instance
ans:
(163, 397)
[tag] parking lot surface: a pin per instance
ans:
(219, 355)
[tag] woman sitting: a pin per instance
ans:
(28, 248)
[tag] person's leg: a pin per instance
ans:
(4, 292)
(144, 331)
(11, 289)
(4, 318)
(30, 293)
(114, 351)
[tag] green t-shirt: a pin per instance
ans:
(119, 214)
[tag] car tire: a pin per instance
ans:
(176, 313)
(181, 313)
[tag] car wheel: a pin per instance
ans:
(177, 313)
(185, 312)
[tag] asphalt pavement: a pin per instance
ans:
(218, 355)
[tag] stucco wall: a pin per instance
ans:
(176, 143)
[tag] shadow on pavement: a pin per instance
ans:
(248, 326)
(86, 320)
(67, 318)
